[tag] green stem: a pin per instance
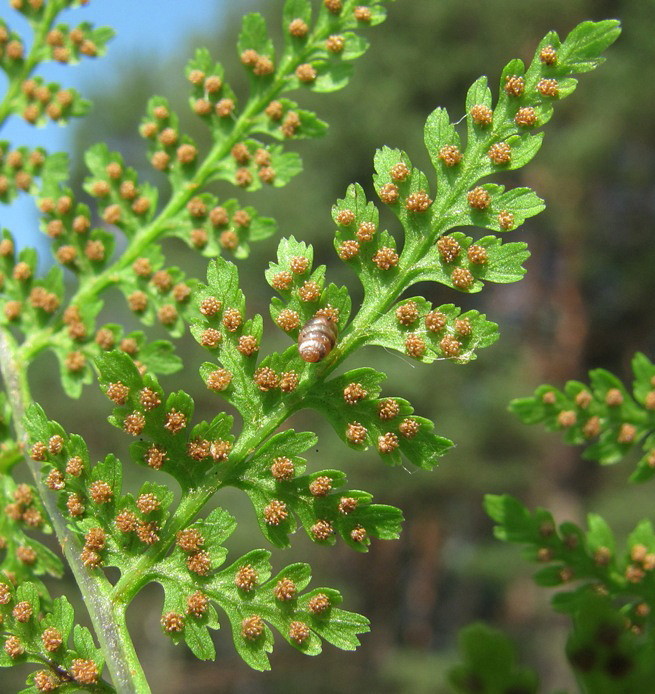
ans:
(133, 679)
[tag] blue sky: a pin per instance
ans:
(145, 26)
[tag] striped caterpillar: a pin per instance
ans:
(317, 338)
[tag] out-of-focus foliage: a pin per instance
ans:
(489, 664)
(605, 412)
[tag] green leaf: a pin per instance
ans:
(332, 77)
(600, 534)
(417, 225)
(110, 471)
(72, 379)
(646, 466)
(83, 642)
(458, 336)
(489, 664)
(253, 653)
(333, 298)
(37, 424)
(310, 125)
(355, 46)
(422, 449)
(156, 431)
(478, 94)
(216, 528)
(241, 601)
(159, 357)
(55, 171)
(283, 167)
(61, 616)
(254, 35)
(296, 9)
(644, 372)
(514, 521)
(287, 165)
(308, 505)
(334, 625)
(604, 409)
(549, 577)
(440, 132)
(581, 49)
(644, 535)
(223, 285)
(288, 443)
(604, 655)
(197, 638)
(28, 592)
(342, 628)
(243, 222)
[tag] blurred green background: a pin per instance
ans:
(587, 301)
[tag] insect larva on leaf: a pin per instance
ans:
(317, 338)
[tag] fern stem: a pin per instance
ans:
(108, 620)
